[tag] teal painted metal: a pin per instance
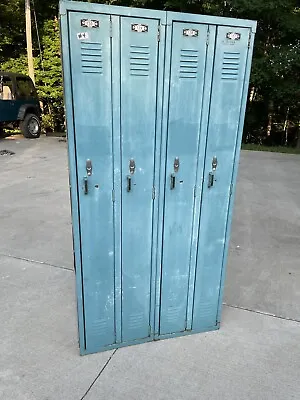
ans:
(186, 87)
(155, 103)
(91, 73)
(139, 70)
(226, 99)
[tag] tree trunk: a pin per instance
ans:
(252, 94)
(29, 40)
(298, 139)
(286, 126)
(270, 117)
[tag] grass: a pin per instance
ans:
(273, 149)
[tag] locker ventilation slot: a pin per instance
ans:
(206, 310)
(99, 327)
(136, 321)
(231, 65)
(91, 58)
(139, 60)
(172, 314)
(188, 63)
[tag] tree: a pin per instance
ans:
(275, 77)
(47, 65)
(274, 98)
(49, 76)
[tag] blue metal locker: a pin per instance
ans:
(223, 126)
(155, 103)
(139, 69)
(185, 138)
(90, 62)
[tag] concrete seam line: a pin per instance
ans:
(261, 313)
(98, 376)
(35, 261)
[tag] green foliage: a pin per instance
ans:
(275, 79)
(272, 149)
(18, 64)
(49, 74)
(12, 28)
(48, 123)
(48, 71)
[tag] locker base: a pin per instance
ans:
(92, 350)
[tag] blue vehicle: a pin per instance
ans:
(19, 105)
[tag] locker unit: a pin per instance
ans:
(155, 104)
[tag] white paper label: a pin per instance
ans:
(82, 35)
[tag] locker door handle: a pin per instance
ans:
(211, 175)
(86, 185)
(172, 181)
(128, 183)
(211, 179)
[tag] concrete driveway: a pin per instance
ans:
(255, 355)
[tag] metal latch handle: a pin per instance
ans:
(211, 175)
(172, 181)
(128, 183)
(211, 179)
(86, 185)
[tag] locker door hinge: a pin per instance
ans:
(195, 189)
(110, 29)
(230, 189)
(153, 192)
(158, 34)
(207, 37)
(249, 40)
(113, 196)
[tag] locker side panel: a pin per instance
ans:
(235, 170)
(64, 30)
(139, 69)
(188, 60)
(90, 50)
(226, 99)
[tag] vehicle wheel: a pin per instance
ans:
(31, 126)
(2, 133)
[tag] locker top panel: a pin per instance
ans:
(166, 17)
(66, 5)
(210, 20)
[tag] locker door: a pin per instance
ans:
(226, 100)
(90, 50)
(188, 61)
(139, 68)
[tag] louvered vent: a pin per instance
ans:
(91, 58)
(98, 327)
(173, 314)
(188, 63)
(231, 65)
(206, 311)
(136, 321)
(139, 60)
